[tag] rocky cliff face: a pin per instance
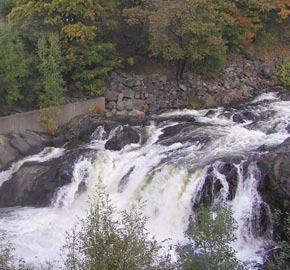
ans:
(275, 183)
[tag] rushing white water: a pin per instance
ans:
(168, 173)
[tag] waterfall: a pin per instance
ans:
(184, 158)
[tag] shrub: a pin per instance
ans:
(107, 240)
(283, 73)
(6, 257)
(48, 119)
(281, 257)
(211, 237)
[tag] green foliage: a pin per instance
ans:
(83, 29)
(190, 31)
(90, 74)
(281, 256)
(48, 119)
(6, 6)
(108, 240)
(50, 68)
(283, 73)
(211, 236)
(6, 257)
(195, 104)
(14, 66)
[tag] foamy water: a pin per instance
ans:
(167, 177)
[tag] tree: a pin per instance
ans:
(14, 66)
(50, 68)
(189, 32)
(211, 237)
(109, 240)
(84, 28)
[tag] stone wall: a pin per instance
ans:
(30, 120)
(132, 94)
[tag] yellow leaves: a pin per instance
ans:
(80, 32)
(284, 7)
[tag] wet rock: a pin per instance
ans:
(127, 135)
(276, 169)
(182, 133)
(237, 118)
(275, 182)
(229, 170)
(17, 145)
(35, 184)
(8, 153)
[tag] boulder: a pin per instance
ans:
(275, 184)
(17, 145)
(8, 153)
(125, 136)
(35, 184)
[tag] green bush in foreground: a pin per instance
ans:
(211, 238)
(6, 257)
(105, 242)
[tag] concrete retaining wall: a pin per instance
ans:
(30, 120)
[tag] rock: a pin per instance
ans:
(137, 113)
(112, 96)
(183, 87)
(17, 145)
(268, 71)
(111, 105)
(237, 118)
(128, 105)
(288, 128)
(28, 143)
(228, 169)
(127, 135)
(35, 185)
(131, 82)
(163, 79)
(120, 106)
(128, 93)
(8, 153)
(275, 181)
(183, 132)
(139, 105)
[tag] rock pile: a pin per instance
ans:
(132, 94)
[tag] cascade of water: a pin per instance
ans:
(168, 173)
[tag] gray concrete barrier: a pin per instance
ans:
(31, 120)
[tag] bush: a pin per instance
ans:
(211, 236)
(107, 240)
(283, 73)
(281, 257)
(6, 257)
